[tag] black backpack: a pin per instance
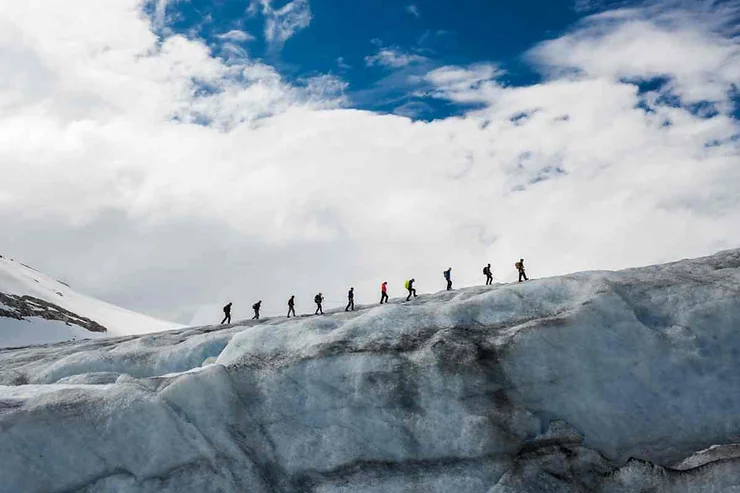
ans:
(317, 298)
(256, 306)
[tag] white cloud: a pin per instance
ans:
(236, 35)
(687, 45)
(113, 180)
(282, 23)
(393, 58)
(476, 83)
(413, 10)
(343, 64)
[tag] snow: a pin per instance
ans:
(19, 279)
(17, 333)
(599, 381)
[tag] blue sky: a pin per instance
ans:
(343, 36)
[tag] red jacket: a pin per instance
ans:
(384, 287)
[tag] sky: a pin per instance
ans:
(172, 155)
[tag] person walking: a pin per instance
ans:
(520, 267)
(227, 314)
(319, 299)
(410, 287)
(384, 292)
(256, 307)
(448, 278)
(350, 300)
(291, 306)
(489, 274)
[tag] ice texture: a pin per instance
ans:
(599, 381)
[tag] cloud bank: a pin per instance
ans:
(149, 172)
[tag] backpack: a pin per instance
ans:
(518, 266)
(485, 270)
(317, 298)
(255, 306)
(407, 284)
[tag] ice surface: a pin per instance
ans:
(598, 381)
(18, 280)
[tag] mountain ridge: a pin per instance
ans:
(38, 309)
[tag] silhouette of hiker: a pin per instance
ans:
(350, 300)
(319, 299)
(291, 306)
(410, 287)
(448, 278)
(227, 314)
(256, 307)
(520, 267)
(489, 275)
(384, 292)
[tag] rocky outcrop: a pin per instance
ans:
(22, 307)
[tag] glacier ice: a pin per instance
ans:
(600, 381)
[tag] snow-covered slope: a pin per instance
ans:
(36, 309)
(593, 382)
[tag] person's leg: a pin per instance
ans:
(346, 309)
(525, 276)
(409, 296)
(449, 285)
(224, 320)
(229, 317)
(353, 305)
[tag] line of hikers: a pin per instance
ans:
(408, 285)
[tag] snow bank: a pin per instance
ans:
(19, 280)
(599, 381)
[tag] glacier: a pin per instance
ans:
(600, 381)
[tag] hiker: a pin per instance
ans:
(520, 267)
(350, 300)
(410, 286)
(291, 306)
(227, 314)
(448, 278)
(319, 299)
(256, 307)
(489, 275)
(384, 292)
